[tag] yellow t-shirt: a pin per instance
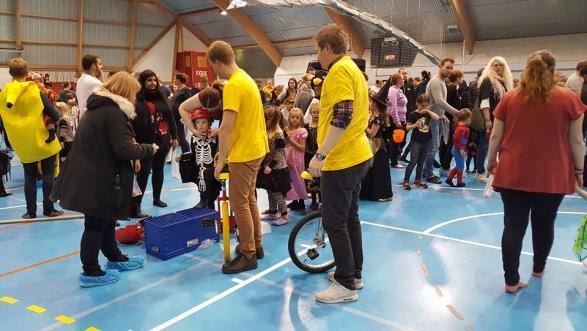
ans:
(345, 82)
(249, 136)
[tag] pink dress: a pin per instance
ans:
(295, 163)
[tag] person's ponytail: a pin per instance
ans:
(538, 77)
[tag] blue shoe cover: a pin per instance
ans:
(134, 262)
(111, 276)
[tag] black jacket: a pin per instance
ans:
(97, 177)
(146, 127)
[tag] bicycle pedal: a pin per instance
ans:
(312, 253)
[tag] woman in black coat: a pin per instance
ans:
(154, 124)
(97, 177)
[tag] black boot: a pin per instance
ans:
(159, 203)
(203, 201)
(3, 192)
(136, 213)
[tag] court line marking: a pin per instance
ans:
(462, 241)
(466, 218)
(220, 296)
(572, 196)
(237, 280)
(342, 307)
(126, 296)
(32, 266)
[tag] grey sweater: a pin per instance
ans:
(436, 90)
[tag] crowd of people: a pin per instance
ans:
(114, 133)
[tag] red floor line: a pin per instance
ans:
(32, 266)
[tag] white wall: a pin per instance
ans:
(568, 50)
(4, 77)
(159, 58)
(191, 43)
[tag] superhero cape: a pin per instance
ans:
(23, 122)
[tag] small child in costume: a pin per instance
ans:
(419, 123)
(65, 132)
(273, 174)
(202, 154)
(50, 123)
(459, 147)
(295, 147)
(311, 148)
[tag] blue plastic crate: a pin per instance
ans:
(177, 233)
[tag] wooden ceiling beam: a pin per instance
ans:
(285, 43)
(196, 32)
(253, 30)
(80, 36)
(18, 23)
(202, 12)
(346, 23)
(464, 22)
(155, 41)
(132, 34)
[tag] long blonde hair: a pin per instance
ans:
(294, 112)
(496, 81)
(538, 77)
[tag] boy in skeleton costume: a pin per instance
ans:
(204, 151)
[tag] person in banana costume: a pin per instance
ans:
(22, 107)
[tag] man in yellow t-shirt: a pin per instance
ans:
(343, 159)
(243, 144)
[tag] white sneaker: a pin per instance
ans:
(358, 282)
(336, 293)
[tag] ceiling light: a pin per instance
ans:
(223, 12)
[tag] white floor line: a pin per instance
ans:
(220, 296)
(474, 243)
(440, 225)
(15, 189)
(456, 220)
(126, 296)
(237, 280)
(480, 189)
(343, 307)
(18, 206)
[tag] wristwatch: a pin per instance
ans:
(320, 157)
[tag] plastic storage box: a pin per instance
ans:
(174, 234)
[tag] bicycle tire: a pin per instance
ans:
(292, 249)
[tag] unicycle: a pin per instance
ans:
(308, 245)
(227, 223)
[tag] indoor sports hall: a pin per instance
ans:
(213, 155)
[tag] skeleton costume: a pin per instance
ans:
(202, 158)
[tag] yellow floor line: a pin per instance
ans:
(438, 291)
(65, 319)
(36, 309)
(9, 300)
(455, 313)
(424, 269)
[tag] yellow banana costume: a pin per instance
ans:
(21, 110)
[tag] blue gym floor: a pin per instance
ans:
(432, 262)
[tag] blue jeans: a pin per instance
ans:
(434, 145)
(459, 159)
(482, 152)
